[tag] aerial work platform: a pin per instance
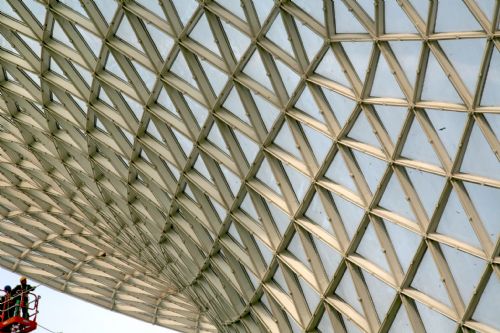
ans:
(11, 319)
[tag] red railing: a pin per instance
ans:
(13, 305)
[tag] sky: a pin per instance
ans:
(62, 313)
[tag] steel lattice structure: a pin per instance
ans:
(303, 165)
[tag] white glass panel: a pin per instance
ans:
(417, 146)
(339, 173)
(103, 96)
(300, 183)
(233, 180)
(164, 101)
(396, 20)
(394, 200)
(466, 279)
(216, 138)
(59, 34)
(461, 20)
(307, 104)
(316, 212)
(359, 55)
(494, 122)
(342, 106)
(234, 105)
(288, 76)
(234, 7)
(184, 142)
(295, 247)
(429, 281)
(199, 112)
(113, 67)
(248, 207)
(153, 6)
(153, 130)
(312, 42)
(219, 209)
(285, 141)
(201, 167)
(363, 131)
(76, 6)
(385, 84)
(163, 42)
(249, 147)
(370, 248)
(265, 251)
(351, 326)
(325, 325)
(281, 219)
(455, 223)
(485, 200)
(216, 77)
(311, 296)
(107, 9)
(350, 214)
(33, 45)
(94, 42)
(271, 111)
(422, 7)
(465, 55)
(278, 35)
(313, 8)
(280, 280)
(437, 87)
(478, 149)
(266, 176)
(293, 323)
(181, 69)
(6, 9)
(405, 243)
(392, 117)
(136, 107)
(6, 45)
(449, 126)
(330, 258)
(37, 9)
(126, 33)
(491, 97)
(238, 41)
(435, 322)
(331, 69)
(263, 8)
(428, 187)
(401, 322)
(256, 70)
(371, 167)
(345, 21)
(319, 143)
(203, 35)
(147, 76)
(347, 292)
(185, 9)
(408, 56)
(487, 309)
(382, 295)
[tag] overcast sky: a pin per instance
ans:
(63, 313)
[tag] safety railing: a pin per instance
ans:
(24, 304)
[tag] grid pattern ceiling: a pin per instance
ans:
(256, 165)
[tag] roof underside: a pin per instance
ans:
(256, 166)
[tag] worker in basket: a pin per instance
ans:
(6, 303)
(21, 299)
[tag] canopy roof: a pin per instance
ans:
(256, 165)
